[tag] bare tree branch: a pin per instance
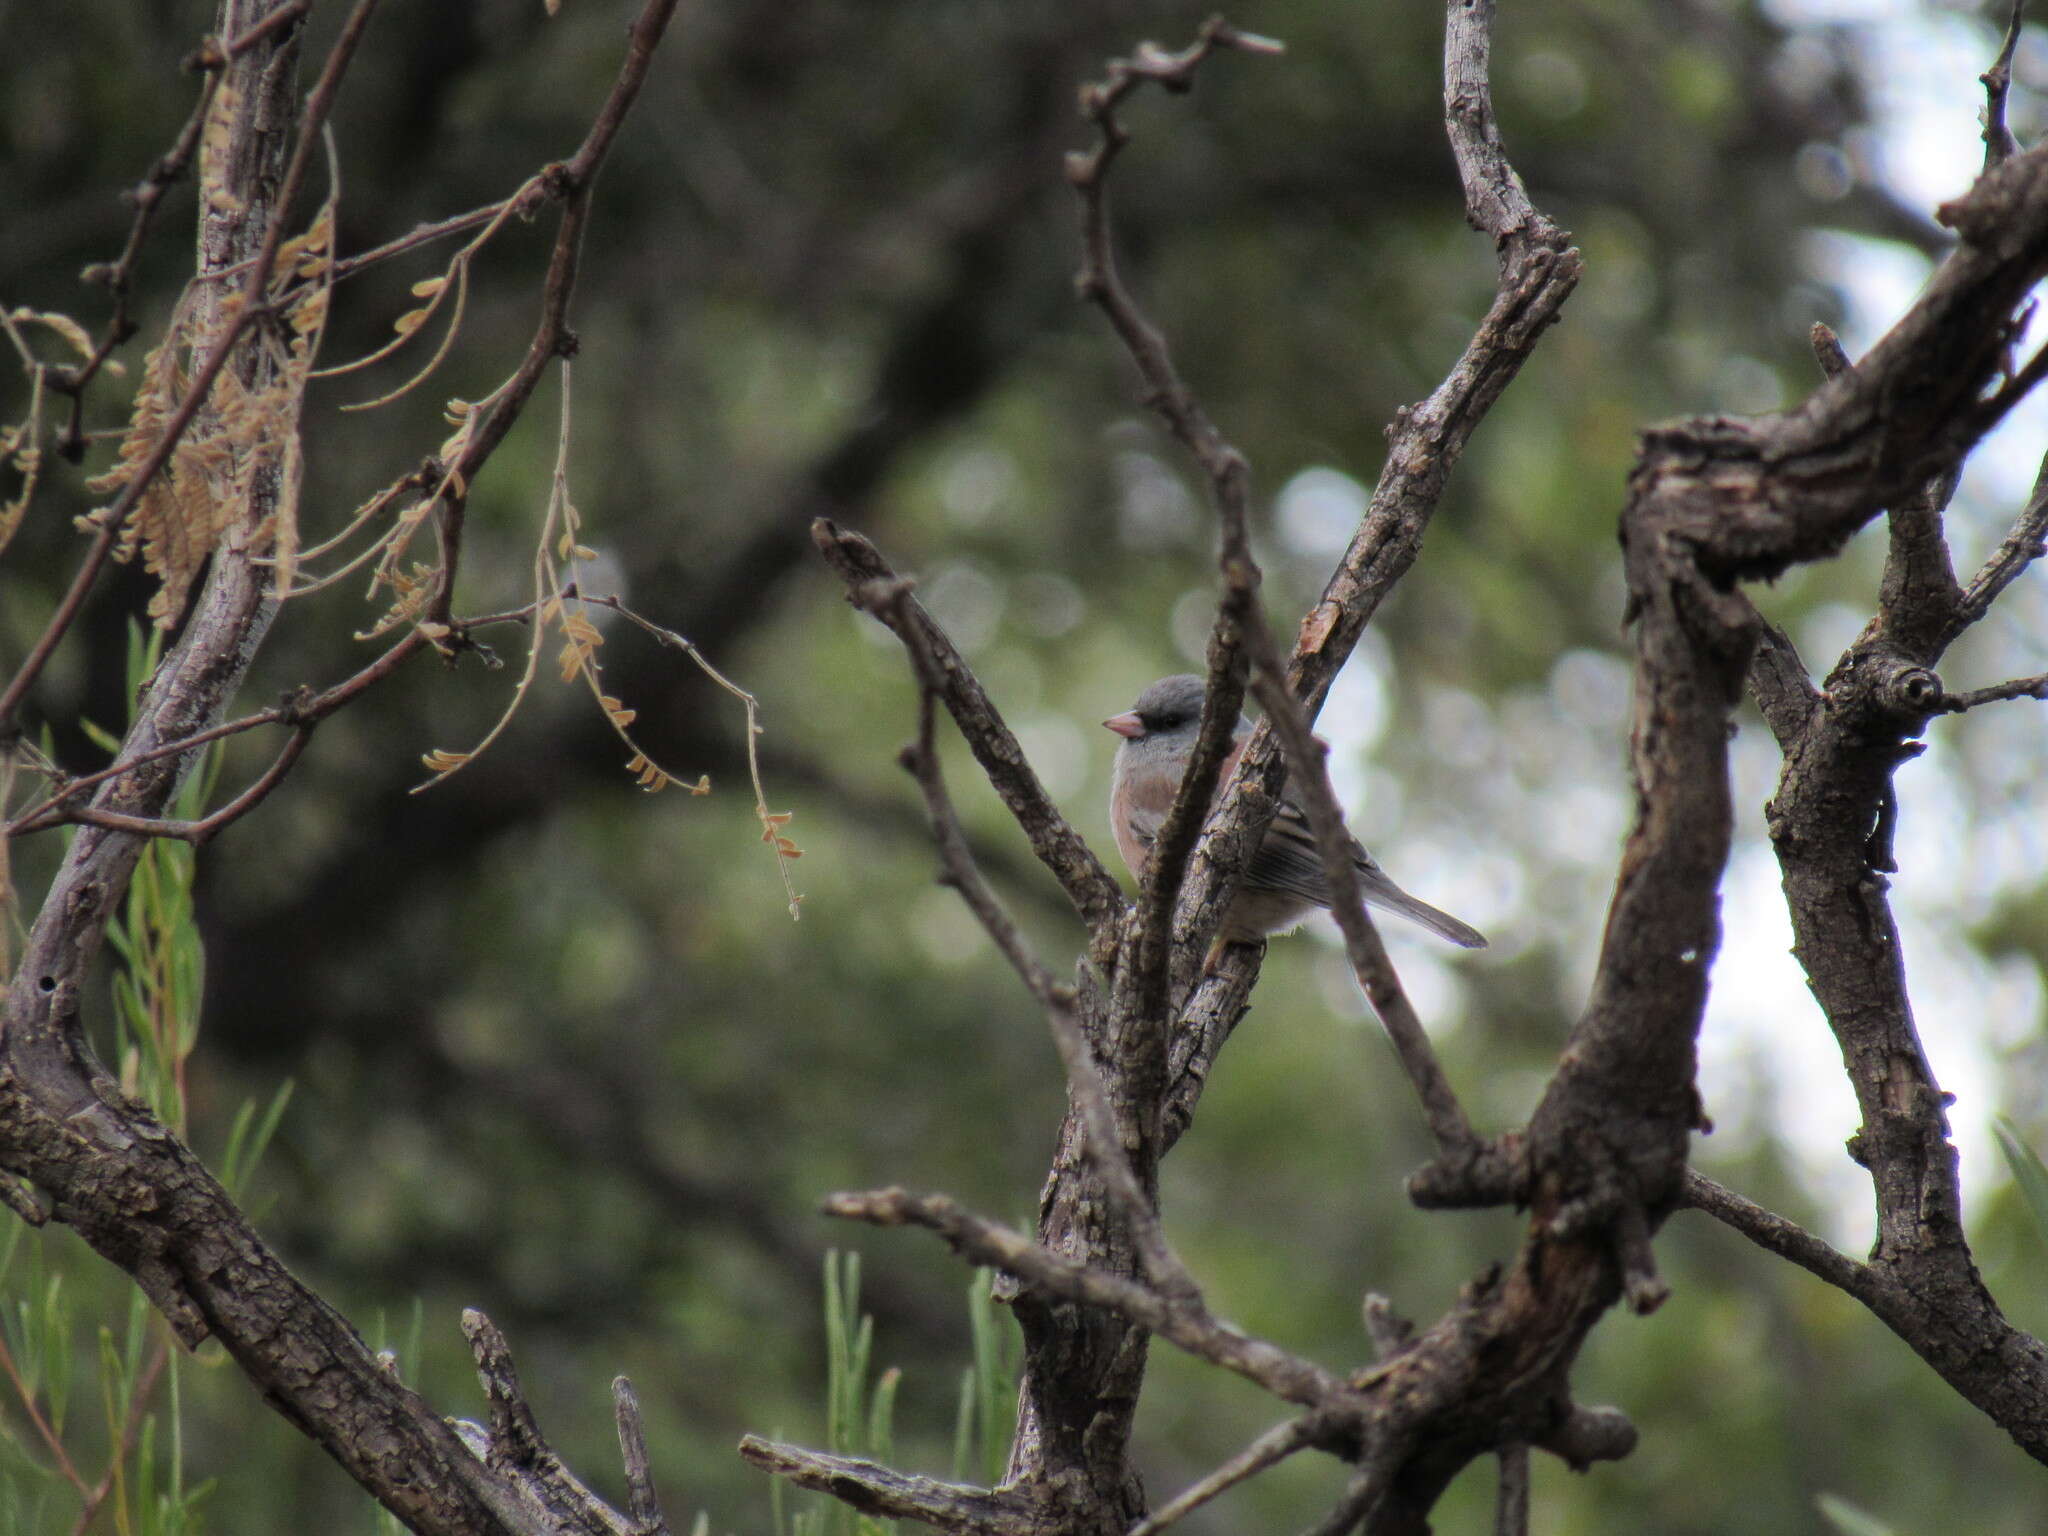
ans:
(1997, 82)
(1712, 502)
(1269, 1450)
(2016, 688)
(2025, 544)
(641, 1502)
(1511, 1510)
(1052, 1451)
(1186, 1324)
(1091, 888)
(1538, 271)
(1229, 477)
(878, 1490)
(1309, 773)
(1787, 1239)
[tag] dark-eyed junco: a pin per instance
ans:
(1285, 881)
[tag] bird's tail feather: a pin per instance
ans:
(1382, 892)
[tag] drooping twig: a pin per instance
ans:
(772, 822)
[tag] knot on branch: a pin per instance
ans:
(296, 706)
(1587, 1435)
(1983, 216)
(1479, 1174)
(1391, 1334)
(1886, 689)
(1911, 690)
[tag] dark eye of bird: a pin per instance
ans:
(1167, 720)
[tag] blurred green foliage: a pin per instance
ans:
(559, 1052)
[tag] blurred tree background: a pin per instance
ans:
(558, 1051)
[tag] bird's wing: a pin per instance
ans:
(1144, 826)
(1287, 859)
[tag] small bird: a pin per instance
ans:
(1285, 880)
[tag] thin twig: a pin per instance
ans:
(198, 833)
(1094, 892)
(48, 1435)
(956, 861)
(1786, 1238)
(2018, 688)
(426, 234)
(1997, 82)
(1365, 1493)
(1229, 477)
(1511, 1506)
(212, 54)
(1186, 1325)
(131, 1432)
(641, 1501)
(1308, 773)
(1269, 1450)
(2023, 545)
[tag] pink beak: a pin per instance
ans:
(1127, 725)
